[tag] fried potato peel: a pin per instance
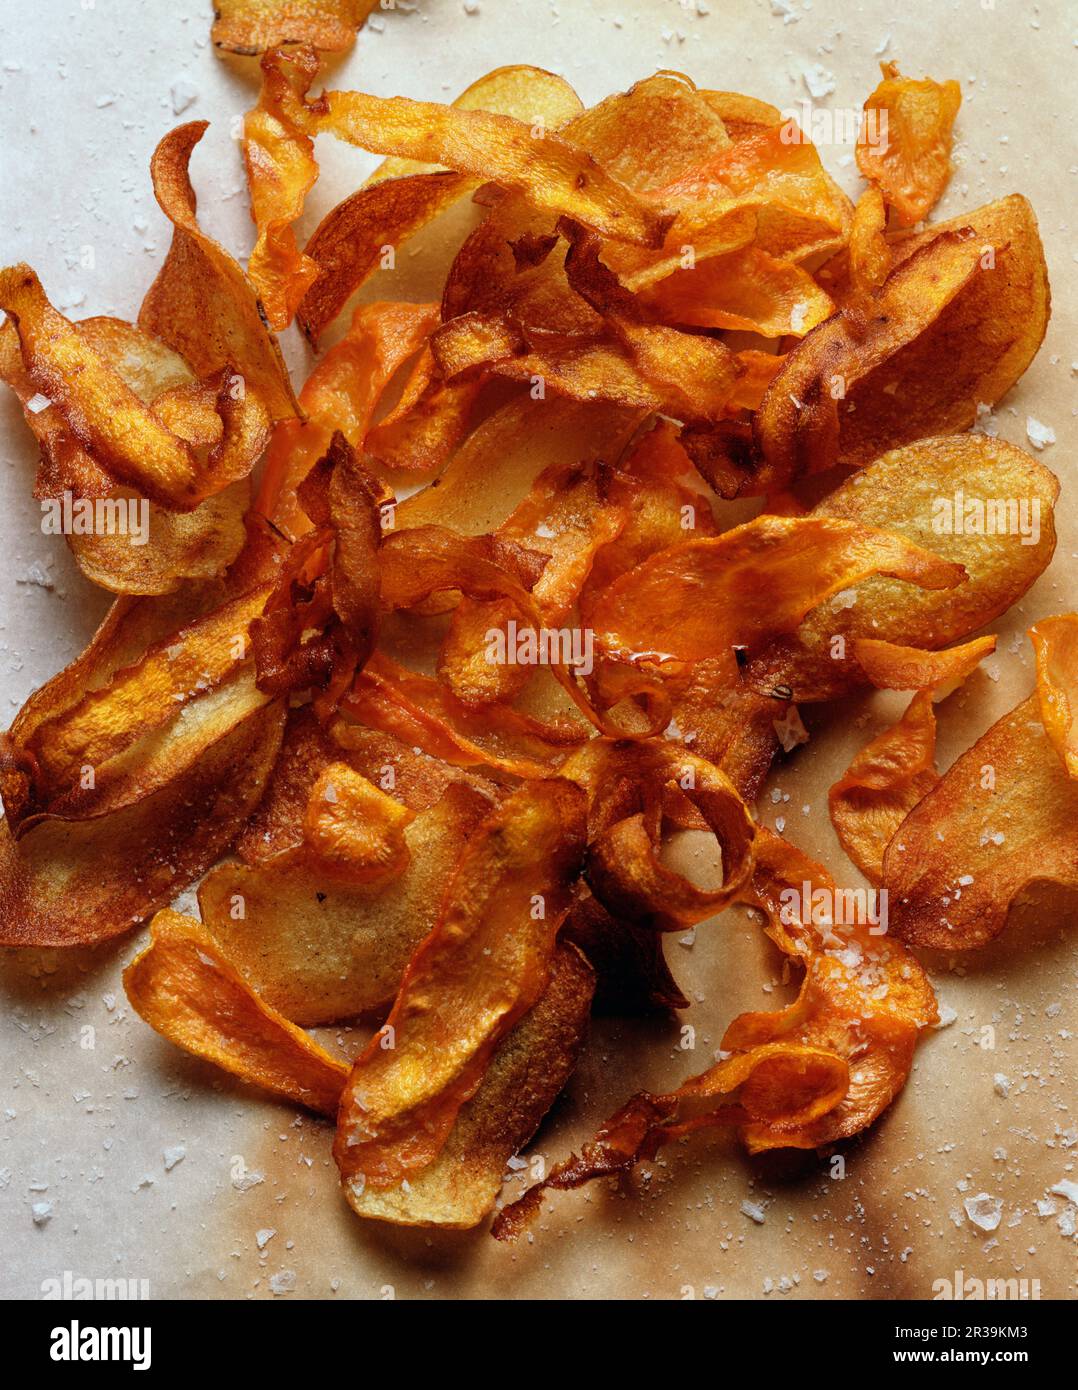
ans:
(201, 304)
(1000, 819)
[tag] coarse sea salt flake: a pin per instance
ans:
(984, 1210)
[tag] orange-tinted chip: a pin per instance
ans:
(904, 145)
(883, 784)
(253, 26)
(281, 171)
(201, 304)
(483, 966)
(188, 991)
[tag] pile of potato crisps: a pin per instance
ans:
(662, 316)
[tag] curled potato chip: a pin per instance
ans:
(99, 408)
(402, 196)
(887, 370)
(253, 26)
(458, 1188)
(812, 1079)
(976, 501)
(342, 394)
(747, 289)
(553, 172)
(486, 962)
(883, 783)
(1000, 819)
(281, 170)
(626, 782)
(78, 882)
(108, 548)
(818, 1071)
(762, 578)
(904, 144)
(201, 304)
(187, 990)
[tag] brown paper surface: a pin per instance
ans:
(91, 1122)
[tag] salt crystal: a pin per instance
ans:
(1001, 1084)
(1066, 1188)
(176, 1154)
(183, 93)
(41, 1212)
(754, 1211)
(285, 1282)
(263, 1237)
(819, 81)
(1039, 435)
(984, 1211)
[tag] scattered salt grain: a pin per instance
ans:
(984, 1211)
(1038, 434)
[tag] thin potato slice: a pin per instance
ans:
(75, 883)
(253, 26)
(188, 991)
(910, 160)
(486, 963)
(921, 492)
(201, 304)
(458, 1189)
(319, 948)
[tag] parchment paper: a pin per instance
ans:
(91, 1135)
